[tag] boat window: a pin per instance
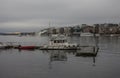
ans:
(61, 41)
(65, 40)
(58, 41)
(73, 45)
(78, 45)
(55, 41)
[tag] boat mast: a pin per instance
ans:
(49, 29)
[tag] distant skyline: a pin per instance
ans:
(25, 15)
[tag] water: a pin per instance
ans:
(43, 64)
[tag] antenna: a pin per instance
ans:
(49, 24)
(49, 29)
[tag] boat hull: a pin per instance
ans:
(27, 47)
(59, 48)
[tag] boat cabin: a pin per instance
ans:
(58, 40)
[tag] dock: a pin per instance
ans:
(87, 51)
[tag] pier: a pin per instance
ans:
(87, 51)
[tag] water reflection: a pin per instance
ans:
(58, 56)
(20, 50)
(62, 56)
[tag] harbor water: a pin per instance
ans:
(60, 63)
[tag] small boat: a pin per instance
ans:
(87, 51)
(27, 47)
(86, 34)
(2, 45)
(59, 42)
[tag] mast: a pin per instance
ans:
(49, 28)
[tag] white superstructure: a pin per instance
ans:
(59, 42)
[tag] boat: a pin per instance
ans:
(59, 42)
(86, 34)
(26, 47)
(87, 51)
(3, 45)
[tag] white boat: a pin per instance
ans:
(2, 46)
(86, 34)
(59, 42)
(89, 34)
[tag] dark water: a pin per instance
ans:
(43, 64)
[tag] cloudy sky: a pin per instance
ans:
(22, 15)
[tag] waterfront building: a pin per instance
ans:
(88, 29)
(68, 31)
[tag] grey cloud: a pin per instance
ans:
(59, 12)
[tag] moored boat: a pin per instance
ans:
(59, 42)
(86, 34)
(26, 47)
(3, 46)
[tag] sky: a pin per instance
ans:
(33, 15)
